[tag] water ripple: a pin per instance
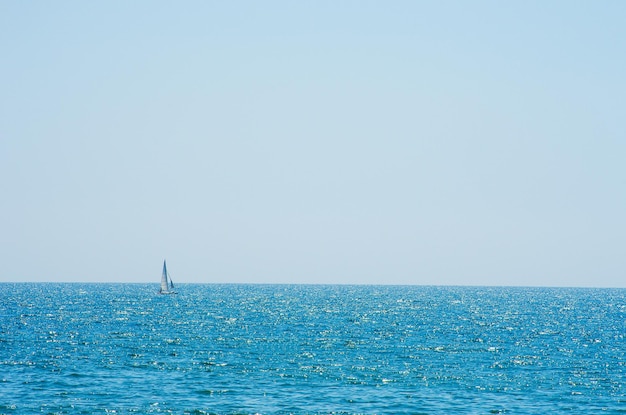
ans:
(226, 349)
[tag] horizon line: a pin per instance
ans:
(320, 284)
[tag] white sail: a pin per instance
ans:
(164, 278)
(167, 286)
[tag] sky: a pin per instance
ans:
(353, 142)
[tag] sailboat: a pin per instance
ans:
(167, 286)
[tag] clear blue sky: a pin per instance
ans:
(408, 142)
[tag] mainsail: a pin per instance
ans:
(167, 286)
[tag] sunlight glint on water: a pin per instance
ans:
(96, 348)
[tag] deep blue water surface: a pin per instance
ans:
(279, 349)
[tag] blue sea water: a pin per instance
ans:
(306, 349)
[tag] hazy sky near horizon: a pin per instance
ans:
(368, 142)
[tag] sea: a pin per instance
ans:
(310, 349)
